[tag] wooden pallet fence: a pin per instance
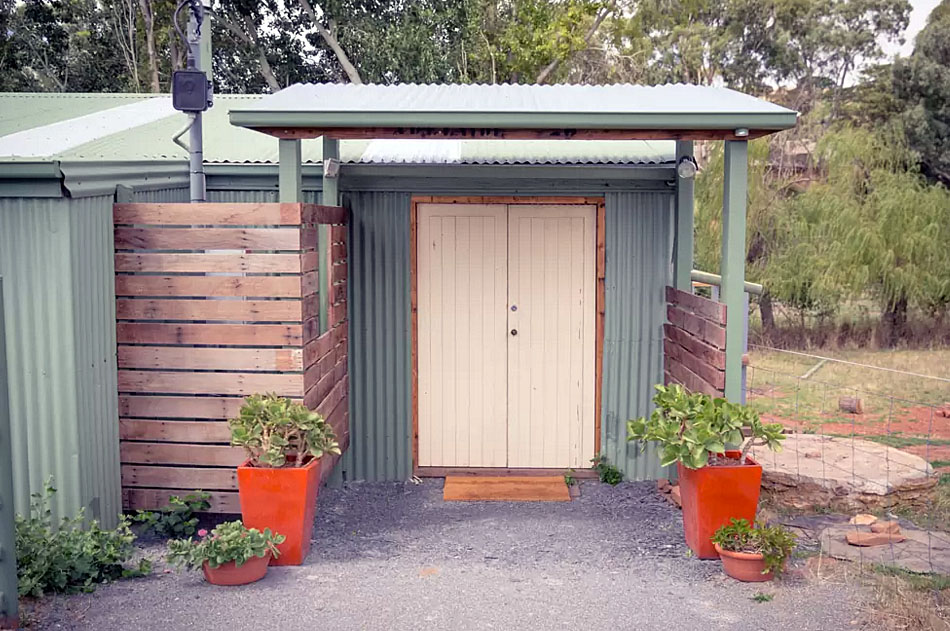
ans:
(694, 342)
(215, 302)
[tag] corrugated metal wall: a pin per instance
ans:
(639, 251)
(379, 329)
(56, 260)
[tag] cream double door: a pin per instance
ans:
(506, 335)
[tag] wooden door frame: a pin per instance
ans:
(600, 254)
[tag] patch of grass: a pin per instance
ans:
(608, 473)
(921, 582)
(762, 597)
(899, 441)
(904, 600)
(937, 464)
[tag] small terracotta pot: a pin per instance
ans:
(744, 566)
(254, 569)
(712, 496)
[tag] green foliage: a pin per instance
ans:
(273, 429)
(774, 543)
(690, 428)
(229, 541)
(762, 597)
(569, 478)
(608, 473)
(70, 556)
(177, 518)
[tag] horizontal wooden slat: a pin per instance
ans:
(316, 393)
(690, 380)
(193, 262)
(206, 479)
(232, 334)
(288, 384)
(247, 286)
(317, 214)
(207, 238)
(711, 375)
(179, 407)
(703, 307)
(317, 348)
(338, 273)
(337, 234)
(699, 327)
(185, 309)
(174, 431)
(707, 352)
(177, 453)
(151, 499)
(199, 358)
(264, 214)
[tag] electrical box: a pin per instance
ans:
(190, 91)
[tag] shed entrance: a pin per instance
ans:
(506, 335)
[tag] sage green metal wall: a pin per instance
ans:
(57, 265)
(639, 255)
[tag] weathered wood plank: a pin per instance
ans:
(699, 327)
(690, 380)
(201, 358)
(703, 307)
(317, 214)
(179, 407)
(289, 310)
(204, 286)
(178, 453)
(316, 349)
(707, 352)
(338, 273)
(337, 234)
(193, 262)
(207, 238)
(709, 374)
(336, 313)
(245, 214)
(151, 499)
(230, 334)
(162, 382)
(174, 431)
(203, 478)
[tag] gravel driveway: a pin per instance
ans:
(395, 556)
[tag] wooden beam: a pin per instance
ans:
(732, 293)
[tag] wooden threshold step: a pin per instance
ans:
(505, 489)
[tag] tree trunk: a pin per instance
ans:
(894, 323)
(351, 72)
(767, 311)
(149, 19)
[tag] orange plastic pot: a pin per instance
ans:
(254, 569)
(712, 496)
(283, 500)
(744, 566)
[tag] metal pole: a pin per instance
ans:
(8, 581)
(195, 137)
(683, 250)
(732, 292)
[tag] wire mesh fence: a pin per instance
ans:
(860, 441)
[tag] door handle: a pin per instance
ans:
(514, 331)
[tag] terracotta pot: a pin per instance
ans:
(744, 566)
(283, 500)
(254, 569)
(712, 496)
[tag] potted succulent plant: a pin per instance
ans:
(230, 555)
(753, 553)
(709, 441)
(277, 485)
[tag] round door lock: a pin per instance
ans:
(514, 307)
(514, 331)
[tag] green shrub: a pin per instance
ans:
(177, 518)
(608, 473)
(774, 543)
(70, 557)
(229, 541)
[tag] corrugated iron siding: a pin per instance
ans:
(379, 329)
(639, 251)
(56, 260)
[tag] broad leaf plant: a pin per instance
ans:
(691, 428)
(276, 431)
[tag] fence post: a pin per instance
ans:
(8, 583)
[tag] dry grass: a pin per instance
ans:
(907, 602)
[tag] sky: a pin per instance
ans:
(918, 19)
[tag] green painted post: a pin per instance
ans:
(8, 582)
(732, 270)
(289, 171)
(330, 197)
(683, 241)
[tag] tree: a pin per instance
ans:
(923, 83)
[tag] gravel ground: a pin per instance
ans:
(395, 556)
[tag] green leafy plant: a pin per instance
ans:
(70, 556)
(690, 428)
(177, 518)
(569, 478)
(762, 597)
(274, 430)
(774, 543)
(608, 473)
(229, 541)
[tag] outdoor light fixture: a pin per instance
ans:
(331, 168)
(742, 132)
(686, 168)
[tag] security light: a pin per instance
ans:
(687, 167)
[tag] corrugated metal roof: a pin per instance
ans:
(129, 128)
(621, 106)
